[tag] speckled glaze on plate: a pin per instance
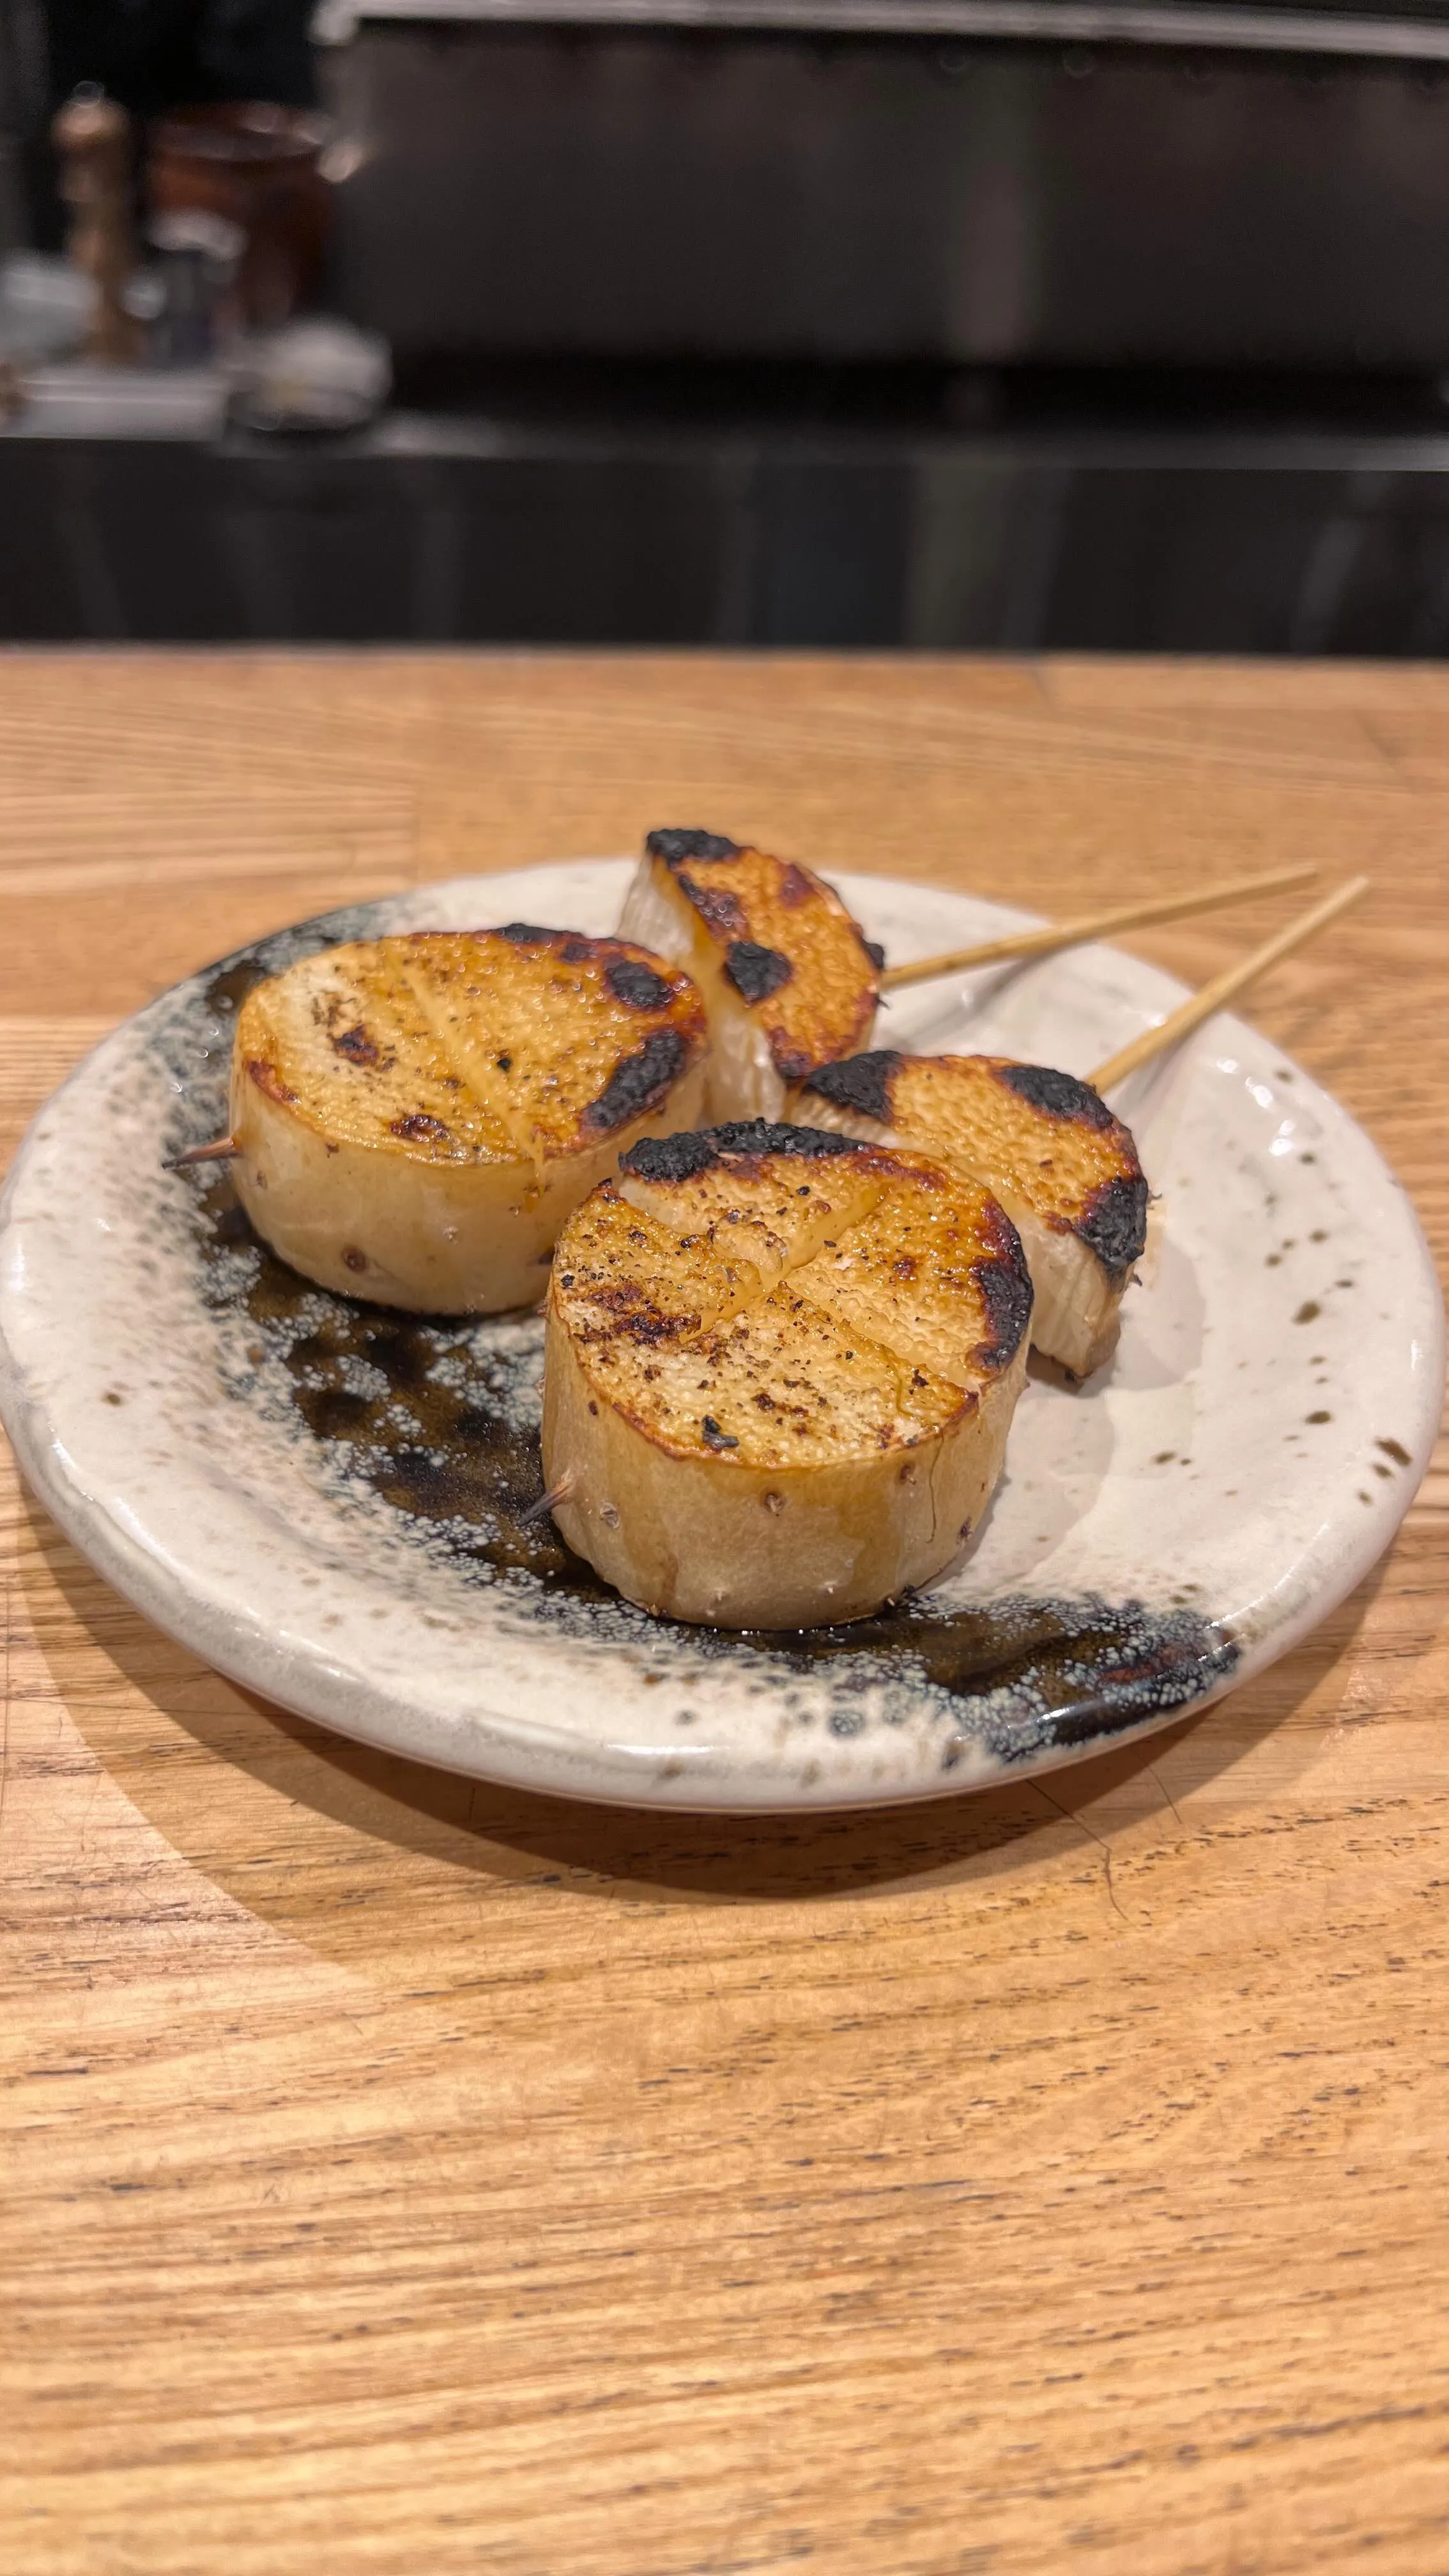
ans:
(329, 1502)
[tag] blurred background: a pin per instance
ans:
(931, 323)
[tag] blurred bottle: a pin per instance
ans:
(92, 136)
(254, 165)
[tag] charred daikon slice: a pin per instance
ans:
(414, 1117)
(1065, 1170)
(788, 977)
(779, 1374)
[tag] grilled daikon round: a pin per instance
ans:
(779, 1373)
(1065, 1170)
(415, 1116)
(787, 976)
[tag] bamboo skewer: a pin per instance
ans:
(1071, 934)
(1201, 1006)
(220, 1150)
(1090, 925)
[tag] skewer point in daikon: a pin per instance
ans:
(220, 1150)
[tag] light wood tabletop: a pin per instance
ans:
(400, 2174)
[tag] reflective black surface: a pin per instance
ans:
(612, 532)
(828, 196)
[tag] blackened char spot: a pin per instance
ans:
(417, 1128)
(875, 953)
(790, 1062)
(674, 846)
(678, 1158)
(1005, 1285)
(635, 984)
(670, 1158)
(1115, 1224)
(755, 971)
(714, 1438)
(1059, 1094)
(640, 1081)
(715, 905)
(762, 1136)
(859, 1082)
(356, 1045)
(526, 933)
(576, 951)
(795, 887)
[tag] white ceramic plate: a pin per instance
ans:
(323, 1499)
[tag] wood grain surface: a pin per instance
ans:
(403, 2175)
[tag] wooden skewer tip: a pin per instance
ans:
(220, 1150)
(540, 1510)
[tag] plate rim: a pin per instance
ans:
(302, 1681)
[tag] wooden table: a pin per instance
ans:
(405, 2175)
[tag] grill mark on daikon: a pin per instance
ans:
(473, 1064)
